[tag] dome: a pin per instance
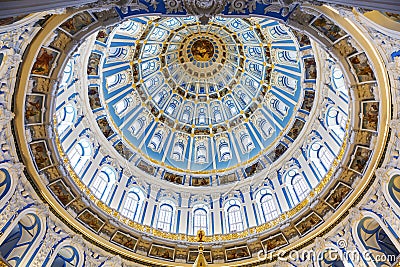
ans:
(265, 129)
(197, 99)
(201, 110)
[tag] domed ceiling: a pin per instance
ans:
(162, 126)
(198, 99)
(198, 106)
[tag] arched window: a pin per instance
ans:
(336, 123)
(251, 84)
(79, 155)
(133, 204)
(287, 56)
(68, 256)
(268, 209)
(102, 183)
(20, 240)
(200, 218)
(130, 26)
(160, 97)
(256, 70)
(297, 186)
(67, 74)
(65, 118)
(234, 216)
(321, 158)
(165, 217)
(150, 50)
(6, 183)
(149, 67)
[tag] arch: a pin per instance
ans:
(154, 83)
(149, 67)
(67, 74)
(232, 109)
(172, 107)
(131, 27)
(67, 256)
(234, 217)
(377, 240)
(187, 114)
(102, 183)
(76, 258)
(22, 237)
(287, 83)
(286, 56)
(244, 99)
(278, 107)
(277, 32)
(202, 115)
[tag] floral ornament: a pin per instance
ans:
(173, 6)
(205, 9)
